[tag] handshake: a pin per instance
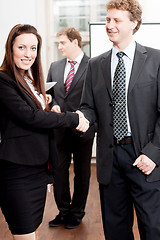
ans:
(83, 122)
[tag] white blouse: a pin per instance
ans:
(39, 97)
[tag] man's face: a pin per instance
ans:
(119, 27)
(66, 46)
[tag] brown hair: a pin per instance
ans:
(9, 66)
(132, 6)
(72, 34)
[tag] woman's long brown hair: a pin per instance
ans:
(10, 68)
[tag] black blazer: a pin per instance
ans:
(71, 100)
(26, 131)
(143, 106)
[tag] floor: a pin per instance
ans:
(90, 228)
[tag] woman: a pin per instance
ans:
(27, 148)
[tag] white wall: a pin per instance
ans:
(13, 12)
(99, 41)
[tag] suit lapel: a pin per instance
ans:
(80, 71)
(139, 60)
(22, 93)
(61, 67)
(138, 63)
(106, 70)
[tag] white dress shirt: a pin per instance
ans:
(76, 66)
(39, 97)
(128, 61)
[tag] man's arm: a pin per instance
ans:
(87, 106)
(149, 158)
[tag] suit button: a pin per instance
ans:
(111, 104)
(111, 145)
(111, 124)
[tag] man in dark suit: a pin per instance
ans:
(66, 97)
(127, 166)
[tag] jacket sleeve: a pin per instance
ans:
(16, 107)
(87, 105)
(152, 148)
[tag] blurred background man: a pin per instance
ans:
(69, 73)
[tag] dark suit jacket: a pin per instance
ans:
(26, 131)
(71, 100)
(143, 107)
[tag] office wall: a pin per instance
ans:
(32, 12)
(147, 35)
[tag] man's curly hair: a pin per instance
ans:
(132, 6)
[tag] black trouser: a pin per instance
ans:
(82, 152)
(128, 186)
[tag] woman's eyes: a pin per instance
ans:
(34, 48)
(22, 48)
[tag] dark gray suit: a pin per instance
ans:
(70, 142)
(144, 115)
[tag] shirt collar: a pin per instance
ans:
(78, 59)
(129, 51)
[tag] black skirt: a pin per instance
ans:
(22, 196)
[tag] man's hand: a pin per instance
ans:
(83, 122)
(56, 108)
(145, 164)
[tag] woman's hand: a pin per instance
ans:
(48, 98)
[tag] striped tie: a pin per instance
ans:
(70, 76)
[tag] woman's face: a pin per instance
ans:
(25, 51)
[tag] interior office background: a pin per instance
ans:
(49, 16)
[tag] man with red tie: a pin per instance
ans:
(69, 73)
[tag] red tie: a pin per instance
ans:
(70, 76)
